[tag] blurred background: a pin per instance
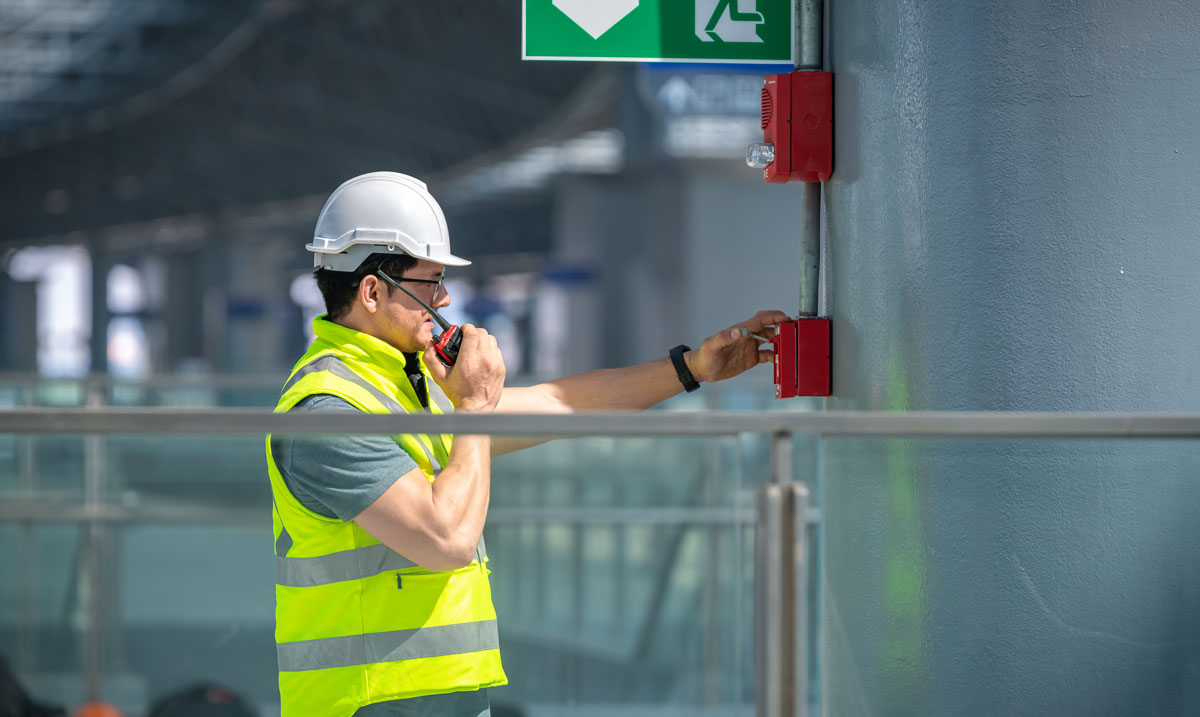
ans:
(162, 164)
(1011, 226)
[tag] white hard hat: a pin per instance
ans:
(380, 211)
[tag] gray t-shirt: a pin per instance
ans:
(453, 704)
(338, 476)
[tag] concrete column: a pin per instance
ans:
(18, 325)
(1012, 226)
(101, 264)
(183, 310)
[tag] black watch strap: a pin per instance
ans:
(681, 370)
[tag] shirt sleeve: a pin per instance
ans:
(338, 476)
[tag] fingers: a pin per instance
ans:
(765, 318)
(470, 339)
(766, 356)
(476, 339)
(746, 333)
(437, 369)
(486, 343)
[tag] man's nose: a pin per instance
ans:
(442, 299)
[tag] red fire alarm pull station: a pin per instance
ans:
(797, 124)
(802, 351)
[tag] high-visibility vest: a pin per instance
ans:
(356, 623)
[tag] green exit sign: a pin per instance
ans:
(751, 31)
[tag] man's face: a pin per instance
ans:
(404, 323)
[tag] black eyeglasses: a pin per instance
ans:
(437, 288)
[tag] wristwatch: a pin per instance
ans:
(681, 369)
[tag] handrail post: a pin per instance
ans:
(27, 490)
(797, 517)
(780, 586)
(93, 497)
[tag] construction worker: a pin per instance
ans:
(383, 605)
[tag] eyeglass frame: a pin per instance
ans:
(437, 289)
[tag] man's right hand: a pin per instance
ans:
(476, 380)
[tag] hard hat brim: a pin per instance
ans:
(347, 252)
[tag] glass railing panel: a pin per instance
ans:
(948, 562)
(213, 471)
(623, 571)
(14, 394)
(42, 606)
(59, 393)
(134, 470)
(43, 466)
(196, 603)
(13, 460)
(623, 575)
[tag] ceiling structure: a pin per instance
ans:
(127, 111)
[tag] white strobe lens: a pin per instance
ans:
(760, 155)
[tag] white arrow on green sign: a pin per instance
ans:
(746, 31)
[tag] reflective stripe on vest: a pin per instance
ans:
(347, 565)
(334, 568)
(377, 647)
(336, 366)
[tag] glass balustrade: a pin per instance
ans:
(624, 566)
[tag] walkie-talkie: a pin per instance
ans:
(446, 345)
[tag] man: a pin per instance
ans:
(383, 605)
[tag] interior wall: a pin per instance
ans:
(1012, 226)
(676, 257)
(742, 254)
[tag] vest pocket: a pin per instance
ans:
(406, 600)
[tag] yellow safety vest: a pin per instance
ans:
(355, 622)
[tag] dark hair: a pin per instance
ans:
(340, 287)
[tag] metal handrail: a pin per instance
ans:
(57, 510)
(9, 379)
(942, 424)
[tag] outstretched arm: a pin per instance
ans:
(720, 356)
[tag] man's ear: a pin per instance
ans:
(368, 293)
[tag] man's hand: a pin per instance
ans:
(728, 353)
(475, 381)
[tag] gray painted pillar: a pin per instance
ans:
(603, 226)
(101, 265)
(183, 309)
(1013, 225)
(18, 325)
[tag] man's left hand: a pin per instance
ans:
(729, 353)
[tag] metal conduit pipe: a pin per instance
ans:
(810, 55)
(810, 35)
(781, 688)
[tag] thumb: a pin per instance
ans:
(725, 338)
(437, 369)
